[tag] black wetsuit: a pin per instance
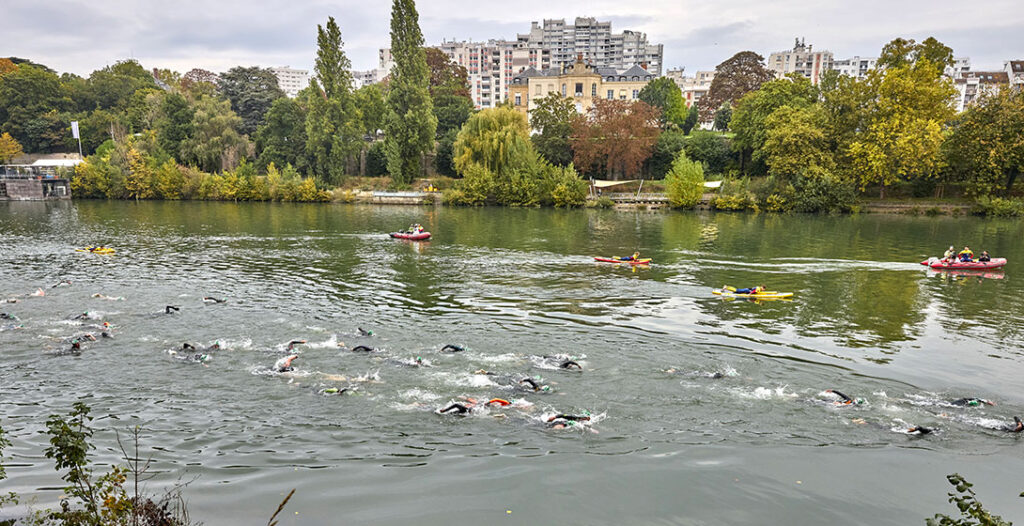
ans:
(569, 364)
(529, 381)
(458, 409)
(570, 418)
(1017, 427)
(171, 309)
(846, 399)
(452, 348)
(963, 402)
(921, 430)
(362, 348)
(215, 300)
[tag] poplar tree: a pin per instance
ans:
(410, 123)
(333, 123)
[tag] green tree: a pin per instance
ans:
(552, 119)
(251, 92)
(723, 116)
(986, 146)
(973, 512)
(377, 160)
(215, 143)
(333, 121)
(711, 149)
(495, 138)
(444, 159)
(903, 132)
(449, 91)
(751, 111)
(144, 108)
(26, 94)
(664, 94)
(174, 124)
(372, 105)
(410, 123)
(742, 73)
(796, 141)
(846, 101)
(281, 140)
(666, 149)
(113, 86)
(692, 116)
(684, 183)
(900, 53)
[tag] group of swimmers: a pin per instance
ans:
(464, 405)
(964, 256)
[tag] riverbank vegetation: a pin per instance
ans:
(779, 145)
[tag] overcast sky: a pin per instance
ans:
(82, 35)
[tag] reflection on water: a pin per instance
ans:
(682, 379)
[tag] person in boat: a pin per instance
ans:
(751, 290)
(984, 257)
(966, 255)
(949, 254)
(634, 257)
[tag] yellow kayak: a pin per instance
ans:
(766, 294)
(96, 250)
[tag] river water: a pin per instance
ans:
(667, 443)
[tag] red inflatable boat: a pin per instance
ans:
(419, 236)
(941, 264)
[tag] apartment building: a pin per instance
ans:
(801, 59)
(291, 81)
(1015, 73)
(558, 44)
(856, 67)
(582, 82)
(694, 87)
(971, 85)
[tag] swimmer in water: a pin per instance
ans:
(363, 348)
(532, 385)
(971, 402)
(920, 430)
(284, 365)
(456, 408)
(5, 316)
(293, 343)
(62, 283)
(844, 400)
(82, 316)
(211, 299)
(570, 364)
(452, 348)
(1017, 427)
(334, 391)
(170, 309)
(563, 421)
(364, 332)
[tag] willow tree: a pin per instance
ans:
(333, 122)
(410, 123)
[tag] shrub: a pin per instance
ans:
(684, 182)
(476, 187)
(818, 190)
(998, 207)
(601, 202)
(734, 195)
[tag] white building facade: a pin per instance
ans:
(801, 59)
(559, 44)
(291, 81)
(694, 87)
(971, 85)
(1015, 73)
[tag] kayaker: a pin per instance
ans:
(634, 257)
(751, 290)
(984, 258)
(966, 255)
(948, 256)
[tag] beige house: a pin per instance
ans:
(581, 82)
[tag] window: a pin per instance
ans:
(564, 92)
(636, 94)
(611, 94)
(536, 91)
(622, 94)
(579, 89)
(519, 99)
(551, 87)
(593, 90)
